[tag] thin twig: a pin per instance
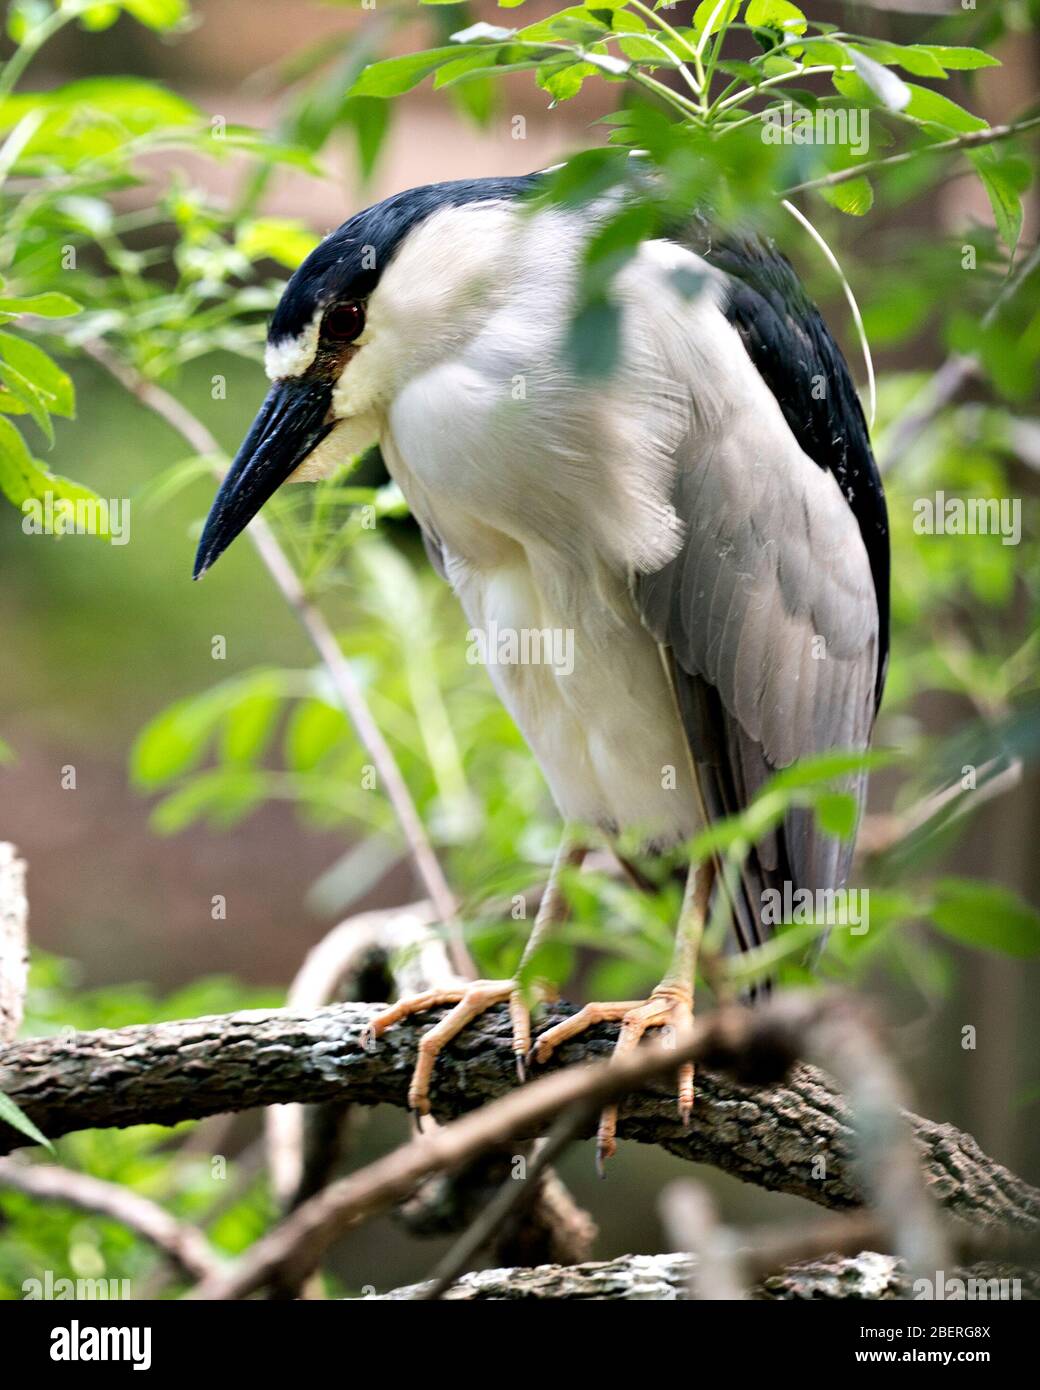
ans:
(881, 833)
(692, 1222)
(320, 981)
(509, 1197)
(972, 139)
(183, 1244)
(943, 385)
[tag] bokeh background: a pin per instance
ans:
(98, 640)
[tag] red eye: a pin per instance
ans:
(344, 322)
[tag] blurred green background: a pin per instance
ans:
(99, 640)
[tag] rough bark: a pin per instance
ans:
(779, 1138)
(666, 1278)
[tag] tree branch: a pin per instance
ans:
(184, 1245)
(666, 1278)
(792, 1138)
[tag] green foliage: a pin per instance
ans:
(150, 1159)
(189, 278)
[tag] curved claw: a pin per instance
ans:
(670, 1008)
(468, 1001)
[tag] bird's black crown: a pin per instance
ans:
(349, 262)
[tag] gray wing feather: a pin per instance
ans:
(769, 617)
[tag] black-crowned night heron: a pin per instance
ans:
(706, 525)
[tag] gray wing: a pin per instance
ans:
(770, 620)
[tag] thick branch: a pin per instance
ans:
(666, 1278)
(793, 1138)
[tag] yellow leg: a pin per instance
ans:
(473, 998)
(669, 1007)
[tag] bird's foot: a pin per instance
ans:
(670, 1008)
(469, 1000)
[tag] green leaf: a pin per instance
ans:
(933, 107)
(613, 245)
(889, 89)
(818, 50)
(1003, 183)
(958, 58)
(393, 76)
(370, 119)
(775, 14)
(836, 814)
(249, 722)
(728, 11)
(23, 390)
(584, 177)
(314, 729)
(592, 342)
(18, 472)
(565, 82)
(761, 962)
(737, 67)
(276, 238)
(42, 371)
(822, 768)
(92, 119)
(854, 196)
(157, 14)
(50, 305)
(224, 796)
(986, 915)
(914, 59)
(13, 1115)
(175, 741)
(773, 65)
(99, 17)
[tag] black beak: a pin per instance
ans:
(290, 423)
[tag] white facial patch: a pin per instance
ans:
(431, 298)
(293, 356)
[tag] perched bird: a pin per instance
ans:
(706, 525)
